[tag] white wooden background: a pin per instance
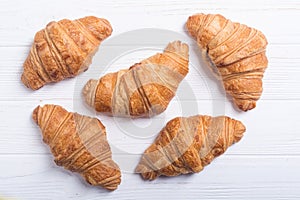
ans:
(264, 165)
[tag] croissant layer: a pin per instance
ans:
(187, 144)
(63, 49)
(143, 90)
(236, 52)
(79, 144)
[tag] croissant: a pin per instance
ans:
(236, 52)
(79, 144)
(143, 90)
(63, 49)
(187, 144)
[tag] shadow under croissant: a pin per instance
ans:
(77, 178)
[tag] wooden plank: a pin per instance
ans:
(264, 165)
(227, 177)
(30, 18)
(271, 128)
(278, 83)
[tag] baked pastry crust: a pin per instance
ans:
(187, 144)
(79, 144)
(235, 52)
(143, 90)
(63, 50)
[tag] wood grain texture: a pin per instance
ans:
(263, 165)
(238, 177)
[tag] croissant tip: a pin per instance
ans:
(24, 80)
(149, 175)
(111, 189)
(193, 23)
(108, 26)
(113, 186)
(239, 130)
(246, 105)
(103, 27)
(178, 47)
(35, 114)
(30, 86)
(30, 80)
(146, 173)
(89, 92)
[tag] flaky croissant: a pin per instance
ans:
(78, 143)
(187, 144)
(63, 50)
(143, 90)
(236, 52)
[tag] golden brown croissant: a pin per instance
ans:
(143, 90)
(63, 50)
(236, 52)
(188, 144)
(78, 143)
